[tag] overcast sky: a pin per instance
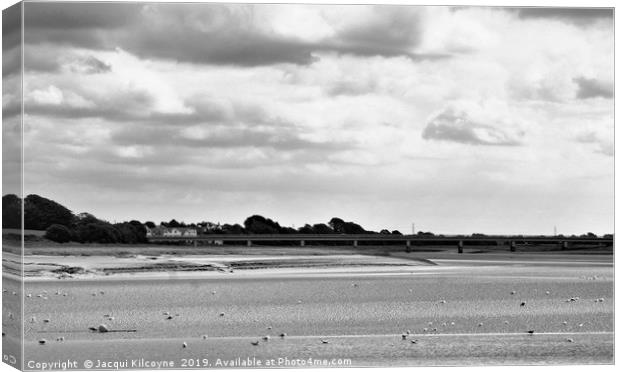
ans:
(462, 120)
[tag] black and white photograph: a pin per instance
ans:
(220, 185)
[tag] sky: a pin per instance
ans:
(457, 119)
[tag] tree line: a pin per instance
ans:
(62, 225)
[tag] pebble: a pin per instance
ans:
(425, 330)
(213, 292)
(169, 317)
(580, 324)
(33, 319)
(451, 323)
(505, 322)
(404, 337)
(325, 341)
(547, 292)
(166, 313)
(523, 303)
(46, 320)
(269, 327)
(255, 343)
(282, 335)
(42, 341)
(60, 339)
(414, 341)
(221, 314)
(204, 337)
(184, 345)
(29, 295)
(565, 322)
(480, 324)
(266, 338)
(513, 292)
(569, 340)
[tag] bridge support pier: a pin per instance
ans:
(564, 245)
(303, 243)
(513, 246)
(249, 243)
(195, 243)
(408, 249)
(460, 246)
(355, 243)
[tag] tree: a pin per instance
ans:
(337, 224)
(321, 228)
(174, 223)
(385, 232)
(11, 211)
(40, 213)
(58, 233)
(150, 224)
(260, 225)
(396, 232)
(353, 228)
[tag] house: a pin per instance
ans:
(171, 232)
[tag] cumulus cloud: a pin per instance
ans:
(592, 88)
(222, 33)
(474, 127)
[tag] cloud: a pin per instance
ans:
(578, 16)
(221, 34)
(460, 125)
(603, 144)
(592, 88)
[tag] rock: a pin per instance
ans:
(46, 320)
(204, 337)
(184, 345)
(60, 339)
(103, 328)
(547, 292)
(266, 338)
(169, 317)
(414, 341)
(255, 343)
(442, 301)
(523, 303)
(29, 295)
(530, 332)
(513, 292)
(569, 340)
(565, 322)
(221, 314)
(325, 341)
(282, 335)
(404, 337)
(166, 313)
(425, 330)
(269, 327)
(480, 324)
(451, 323)
(42, 341)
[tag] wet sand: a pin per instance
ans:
(460, 312)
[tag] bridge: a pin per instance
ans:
(563, 242)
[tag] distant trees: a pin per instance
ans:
(260, 225)
(40, 213)
(11, 212)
